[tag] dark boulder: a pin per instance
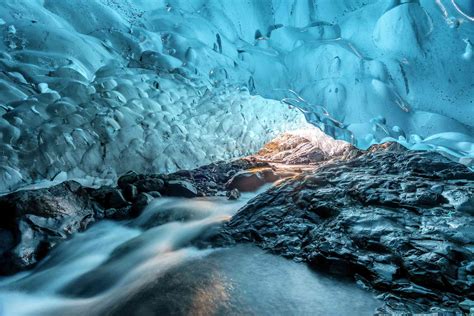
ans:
(128, 178)
(149, 184)
(33, 221)
(109, 197)
(245, 181)
(130, 192)
(141, 202)
(233, 194)
(180, 188)
(269, 175)
(467, 205)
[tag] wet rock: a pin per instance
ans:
(128, 178)
(109, 197)
(33, 221)
(467, 305)
(437, 188)
(245, 181)
(149, 184)
(142, 201)
(399, 220)
(117, 200)
(233, 194)
(154, 194)
(211, 179)
(118, 214)
(180, 188)
(269, 175)
(130, 192)
(467, 206)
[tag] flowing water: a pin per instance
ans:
(146, 266)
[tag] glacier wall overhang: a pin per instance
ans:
(362, 70)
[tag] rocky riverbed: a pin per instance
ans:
(34, 221)
(399, 223)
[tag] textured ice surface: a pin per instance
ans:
(98, 87)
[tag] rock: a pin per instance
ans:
(467, 305)
(269, 175)
(429, 198)
(294, 149)
(305, 154)
(385, 271)
(118, 214)
(128, 178)
(109, 197)
(116, 199)
(180, 188)
(437, 188)
(409, 187)
(33, 221)
(245, 181)
(154, 194)
(381, 216)
(470, 267)
(142, 201)
(130, 192)
(467, 206)
(150, 184)
(233, 194)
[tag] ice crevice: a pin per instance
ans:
(95, 89)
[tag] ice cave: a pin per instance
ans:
(236, 157)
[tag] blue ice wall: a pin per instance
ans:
(95, 87)
(363, 71)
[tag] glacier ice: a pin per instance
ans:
(97, 87)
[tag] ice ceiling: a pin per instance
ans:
(93, 88)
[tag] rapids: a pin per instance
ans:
(148, 266)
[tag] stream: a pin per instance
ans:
(146, 266)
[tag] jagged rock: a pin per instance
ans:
(467, 206)
(117, 200)
(149, 184)
(33, 221)
(109, 197)
(394, 219)
(128, 178)
(118, 214)
(180, 188)
(143, 199)
(233, 194)
(467, 305)
(130, 192)
(294, 149)
(154, 194)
